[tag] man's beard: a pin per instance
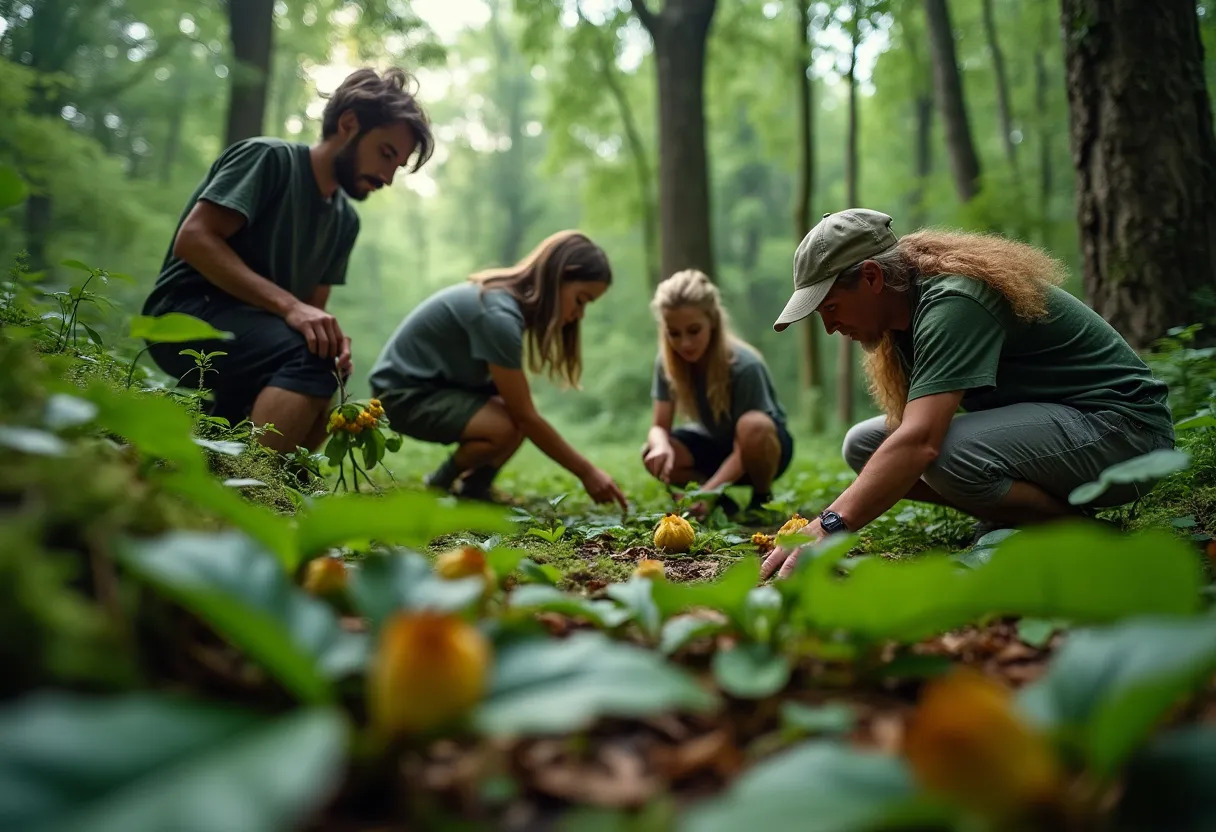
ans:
(345, 170)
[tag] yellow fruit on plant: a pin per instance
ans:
(967, 741)
(649, 568)
(336, 421)
(325, 576)
(794, 525)
(429, 669)
(465, 562)
(674, 534)
(764, 542)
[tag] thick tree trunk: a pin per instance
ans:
(251, 25)
(844, 366)
(948, 89)
(1004, 112)
(680, 32)
(1145, 156)
(812, 368)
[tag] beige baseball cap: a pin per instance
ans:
(838, 241)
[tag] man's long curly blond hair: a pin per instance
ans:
(1020, 272)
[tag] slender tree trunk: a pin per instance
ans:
(1145, 155)
(510, 188)
(844, 367)
(177, 117)
(922, 116)
(251, 27)
(680, 32)
(948, 89)
(1043, 117)
(637, 151)
(812, 368)
(1002, 87)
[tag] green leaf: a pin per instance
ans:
(1171, 783)
(728, 594)
(1079, 571)
(1199, 420)
(155, 425)
(93, 334)
(76, 264)
(144, 761)
(373, 448)
(684, 629)
(66, 411)
(544, 686)
(267, 527)
(833, 718)
(751, 671)
(31, 441)
(819, 786)
(336, 448)
(504, 560)
(1108, 688)
(388, 582)
(762, 611)
(544, 598)
(411, 518)
(539, 573)
(1145, 468)
(637, 596)
(1037, 632)
(13, 189)
(393, 443)
(221, 446)
(174, 328)
(242, 592)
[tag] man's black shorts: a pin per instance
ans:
(265, 352)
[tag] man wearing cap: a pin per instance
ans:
(1001, 391)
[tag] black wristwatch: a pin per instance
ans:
(832, 522)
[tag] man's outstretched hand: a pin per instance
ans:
(783, 562)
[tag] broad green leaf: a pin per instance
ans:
(268, 528)
(241, 591)
(762, 611)
(504, 560)
(1170, 784)
(393, 443)
(684, 629)
(373, 448)
(155, 425)
(539, 573)
(143, 761)
(751, 671)
(727, 594)
(94, 336)
(1082, 572)
(221, 446)
(336, 448)
(13, 189)
(1145, 468)
(66, 411)
(545, 598)
(637, 596)
(1204, 420)
(819, 786)
(31, 441)
(1108, 688)
(175, 328)
(387, 582)
(79, 266)
(541, 686)
(832, 718)
(411, 518)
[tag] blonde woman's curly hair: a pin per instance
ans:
(1020, 272)
(694, 289)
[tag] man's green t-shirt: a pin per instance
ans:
(292, 234)
(451, 339)
(751, 388)
(964, 336)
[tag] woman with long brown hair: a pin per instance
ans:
(1051, 395)
(719, 383)
(453, 371)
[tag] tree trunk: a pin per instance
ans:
(948, 89)
(1145, 155)
(250, 29)
(177, 117)
(844, 366)
(510, 189)
(680, 32)
(637, 151)
(812, 368)
(922, 117)
(1044, 129)
(1002, 87)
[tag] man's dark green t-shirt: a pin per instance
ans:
(292, 234)
(964, 336)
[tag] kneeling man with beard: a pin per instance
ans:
(262, 241)
(1002, 392)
